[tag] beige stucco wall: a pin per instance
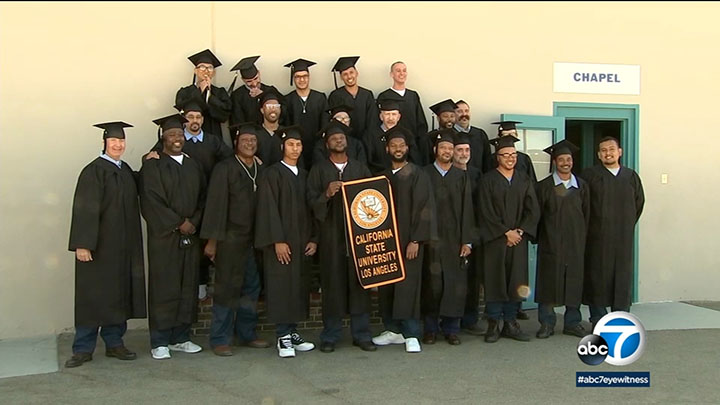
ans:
(64, 67)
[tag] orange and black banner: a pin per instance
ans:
(372, 231)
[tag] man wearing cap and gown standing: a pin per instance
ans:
(616, 203)
(412, 115)
(172, 198)
(269, 143)
(375, 137)
(341, 290)
(415, 213)
(355, 147)
(305, 107)
(445, 113)
(479, 142)
(364, 113)
(214, 102)
(445, 268)
(245, 98)
(564, 212)
(106, 236)
(509, 212)
(285, 235)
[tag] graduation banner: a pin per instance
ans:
(372, 231)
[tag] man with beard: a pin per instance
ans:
(214, 102)
(470, 322)
(616, 202)
(341, 291)
(172, 199)
(229, 226)
(305, 107)
(378, 159)
(106, 236)
(355, 147)
(478, 138)
(412, 115)
(415, 214)
(245, 98)
(269, 149)
(564, 212)
(445, 112)
(445, 268)
(509, 212)
(284, 233)
(364, 113)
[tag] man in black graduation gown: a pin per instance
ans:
(214, 101)
(415, 214)
(480, 157)
(364, 113)
(245, 98)
(445, 113)
(284, 233)
(305, 107)
(341, 291)
(375, 137)
(444, 285)
(564, 212)
(471, 322)
(172, 198)
(229, 226)
(412, 115)
(106, 236)
(510, 212)
(616, 202)
(355, 147)
(269, 149)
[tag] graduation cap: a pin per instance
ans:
(243, 128)
(503, 142)
(506, 125)
(339, 108)
(247, 69)
(190, 105)
(170, 122)
(443, 106)
(205, 56)
(443, 135)
(343, 63)
(390, 102)
(563, 147)
(113, 129)
(398, 131)
(335, 127)
(291, 132)
(461, 138)
(268, 95)
(299, 65)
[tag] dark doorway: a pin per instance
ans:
(586, 134)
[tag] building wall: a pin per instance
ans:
(66, 66)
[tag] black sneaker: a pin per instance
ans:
(300, 344)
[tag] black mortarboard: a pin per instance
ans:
(461, 138)
(443, 106)
(563, 147)
(503, 142)
(243, 128)
(506, 125)
(398, 131)
(113, 129)
(343, 63)
(443, 135)
(339, 108)
(190, 105)
(205, 56)
(269, 94)
(247, 70)
(335, 127)
(299, 65)
(390, 102)
(170, 122)
(291, 132)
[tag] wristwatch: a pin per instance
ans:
(520, 232)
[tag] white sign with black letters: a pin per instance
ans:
(596, 78)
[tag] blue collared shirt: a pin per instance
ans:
(117, 163)
(458, 128)
(558, 181)
(189, 136)
(439, 169)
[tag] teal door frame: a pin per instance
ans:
(628, 115)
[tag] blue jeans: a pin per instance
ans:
(546, 314)
(502, 310)
(282, 329)
(408, 327)
(174, 335)
(598, 312)
(86, 338)
(359, 328)
(449, 325)
(245, 317)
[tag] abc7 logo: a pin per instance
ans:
(618, 339)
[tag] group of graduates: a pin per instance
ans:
(267, 205)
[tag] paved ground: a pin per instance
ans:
(684, 367)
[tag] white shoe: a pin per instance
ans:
(285, 346)
(300, 344)
(187, 347)
(388, 338)
(202, 291)
(412, 345)
(160, 353)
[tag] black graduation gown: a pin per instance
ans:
(355, 150)
(207, 153)
(268, 148)
(170, 193)
(283, 216)
(215, 110)
(475, 265)
(415, 214)
(411, 110)
(503, 206)
(444, 285)
(562, 229)
(378, 158)
(616, 203)
(110, 289)
(229, 218)
(479, 149)
(246, 108)
(523, 165)
(365, 113)
(310, 115)
(425, 144)
(341, 290)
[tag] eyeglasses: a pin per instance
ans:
(204, 68)
(508, 155)
(269, 105)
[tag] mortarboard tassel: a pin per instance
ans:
(335, 79)
(432, 126)
(232, 86)
(292, 73)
